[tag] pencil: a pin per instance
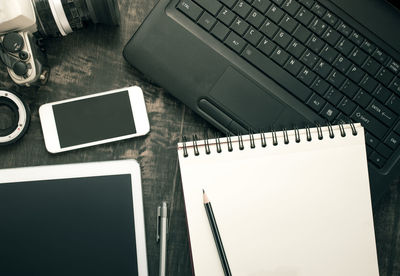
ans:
(217, 237)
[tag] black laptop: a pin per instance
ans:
(257, 64)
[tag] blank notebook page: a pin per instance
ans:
(296, 209)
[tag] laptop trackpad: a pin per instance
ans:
(245, 99)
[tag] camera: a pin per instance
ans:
(25, 23)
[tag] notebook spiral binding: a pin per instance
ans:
(218, 143)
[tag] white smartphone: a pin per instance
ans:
(95, 119)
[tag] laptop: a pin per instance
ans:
(260, 64)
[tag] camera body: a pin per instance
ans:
(25, 60)
(24, 23)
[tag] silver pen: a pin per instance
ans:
(162, 222)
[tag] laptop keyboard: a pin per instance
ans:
(344, 74)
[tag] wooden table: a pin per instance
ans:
(90, 61)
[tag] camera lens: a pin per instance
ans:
(61, 17)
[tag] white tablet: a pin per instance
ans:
(78, 219)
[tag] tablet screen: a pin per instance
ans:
(77, 226)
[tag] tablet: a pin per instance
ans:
(79, 219)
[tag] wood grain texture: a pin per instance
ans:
(90, 61)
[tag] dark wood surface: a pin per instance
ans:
(90, 61)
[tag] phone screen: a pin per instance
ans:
(94, 119)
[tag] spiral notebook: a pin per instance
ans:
(286, 203)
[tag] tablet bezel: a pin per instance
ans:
(106, 168)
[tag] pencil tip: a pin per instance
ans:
(205, 198)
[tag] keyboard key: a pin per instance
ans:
(382, 113)
(397, 128)
(382, 93)
(347, 106)
(368, 47)
(394, 66)
(291, 7)
(220, 31)
(269, 28)
(316, 102)
(368, 83)
(288, 23)
(304, 16)
(190, 8)
(342, 119)
(318, 10)
(255, 18)
(371, 66)
(329, 54)
(235, 42)
(362, 98)
(380, 56)
(278, 2)
(275, 14)
(395, 85)
(309, 58)
(240, 26)
(207, 21)
(307, 3)
(329, 112)
(345, 46)
(323, 68)
(282, 38)
(318, 26)
(302, 34)
(384, 150)
(315, 43)
(229, 3)
(342, 64)
(385, 76)
(358, 56)
(293, 66)
(330, 18)
(371, 140)
(266, 46)
(333, 96)
(226, 16)
(336, 78)
(356, 38)
(355, 74)
(349, 88)
(253, 36)
(344, 29)
(306, 76)
(394, 103)
(296, 49)
(377, 159)
(261, 5)
(331, 36)
(320, 86)
(212, 6)
(242, 8)
(392, 140)
(280, 56)
(369, 122)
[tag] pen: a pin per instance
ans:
(162, 221)
(217, 237)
